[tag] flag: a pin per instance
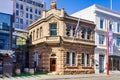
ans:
(76, 29)
(110, 40)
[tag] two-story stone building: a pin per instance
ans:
(53, 48)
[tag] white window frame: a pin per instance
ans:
(85, 60)
(71, 59)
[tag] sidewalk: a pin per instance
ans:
(59, 77)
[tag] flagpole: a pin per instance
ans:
(107, 58)
(75, 34)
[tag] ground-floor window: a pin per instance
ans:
(70, 58)
(85, 59)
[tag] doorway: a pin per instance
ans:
(101, 63)
(52, 64)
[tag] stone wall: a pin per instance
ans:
(45, 52)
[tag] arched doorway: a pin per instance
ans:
(53, 61)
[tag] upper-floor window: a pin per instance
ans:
(88, 33)
(68, 28)
(27, 15)
(101, 39)
(17, 13)
(17, 20)
(17, 5)
(27, 22)
(101, 23)
(27, 8)
(35, 11)
(21, 13)
(39, 12)
(118, 27)
(53, 29)
(74, 31)
(83, 31)
(30, 9)
(118, 41)
(21, 21)
(110, 25)
(30, 16)
(21, 7)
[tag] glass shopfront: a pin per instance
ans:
(114, 62)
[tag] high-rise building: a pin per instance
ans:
(6, 12)
(26, 12)
(102, 17)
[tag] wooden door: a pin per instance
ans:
(52, 64)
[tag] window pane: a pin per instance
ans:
(83, 31)
(21, 13)
(88, 60)
(101, 24)
(118, 41)
(83, 59)
(21, 21)
(73, 59)
(21, 7)
(26, 15)
(30, 16)
(27, 8)
(30, 9)
(118, 27)
(88, 33)
(101, 39)
(68, 28)
(74, 31)
(53, 29)
(17, 20)
(17, 5)
(67, 58)
(17, 13)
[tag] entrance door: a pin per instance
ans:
(101, 63)
(52, 64)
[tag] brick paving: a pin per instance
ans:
(68, 77)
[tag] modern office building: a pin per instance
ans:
(25, 12)
(52, 47)
(101, 16)
(6, 12)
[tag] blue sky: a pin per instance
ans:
(72, 6)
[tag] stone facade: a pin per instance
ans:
(51, 49)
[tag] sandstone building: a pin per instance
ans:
(52, 47)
